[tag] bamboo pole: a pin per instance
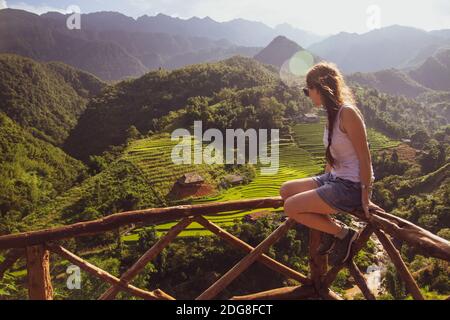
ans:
(285, 293)
(242, 265)
(39, 280)
(360, 280)
(148, 256)
(107, 277)
(397, 260)
(266, 260)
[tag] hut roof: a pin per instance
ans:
(191, 177)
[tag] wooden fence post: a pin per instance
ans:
(38, 266)
(318, 264)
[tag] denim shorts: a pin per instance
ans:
(341, 194)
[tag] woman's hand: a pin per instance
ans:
(367, 204)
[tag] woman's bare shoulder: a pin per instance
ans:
(350, 110)
(351, 115)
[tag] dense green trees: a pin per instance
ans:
(32, 173)
(46, 99)
(139, 102)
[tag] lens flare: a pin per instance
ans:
(295, 68)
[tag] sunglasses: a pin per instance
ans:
(306, 91)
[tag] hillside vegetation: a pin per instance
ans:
(46, 99)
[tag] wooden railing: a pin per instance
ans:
(37, 245)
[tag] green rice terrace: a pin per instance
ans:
(298, 159)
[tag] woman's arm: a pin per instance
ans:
(354, 126)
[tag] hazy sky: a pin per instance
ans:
(319, 16)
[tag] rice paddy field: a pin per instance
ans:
(298, 159)
(153, 157)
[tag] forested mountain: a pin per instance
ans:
(140, 102)
(42, 39)
(45, 98)
(32, 171)
(280, 50)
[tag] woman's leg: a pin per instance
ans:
(310, 210)
(292, 187)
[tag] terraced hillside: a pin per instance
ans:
(153, 157)
(294, 163)
(299, 159)
(309, 136)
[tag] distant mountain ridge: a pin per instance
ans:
(390, 47)
(238, 31)
(114, 46)
(432, 75)
(110, 54)
(390, 81)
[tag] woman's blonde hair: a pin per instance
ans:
(329, 81)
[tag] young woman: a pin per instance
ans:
(347, 182)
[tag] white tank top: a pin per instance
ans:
(343, 152)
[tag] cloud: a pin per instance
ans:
(38, 9)
(3, 4)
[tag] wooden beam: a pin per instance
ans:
(285, 293)
(360, 280)
(397, 260)
(242, 265)
(149, 216)
(264, 259)
(428, 243)
(423, 240)
(328, 294)
(39, 280)
(318, 263)
(107, 277)
(148, 256)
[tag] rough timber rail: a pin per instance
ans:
(36, 246)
